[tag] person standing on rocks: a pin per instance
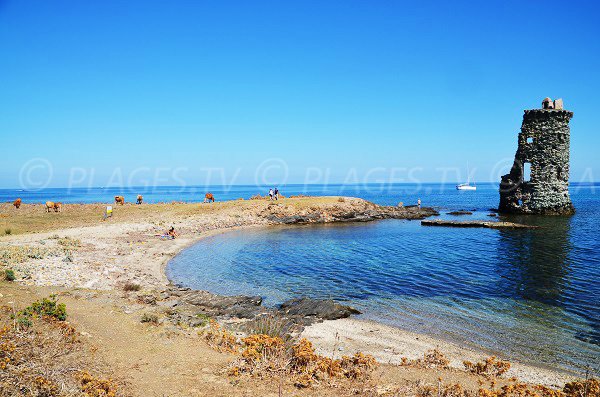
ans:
(276, 194)
(271, 194)
(419, 203)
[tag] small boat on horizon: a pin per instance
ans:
(466, 186)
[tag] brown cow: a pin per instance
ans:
(49, 205)
(119, 200)
(17, 203)
(140, 199)
(208, 198)
(57, 207)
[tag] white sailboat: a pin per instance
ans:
(466, 186)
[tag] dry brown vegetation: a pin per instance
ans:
(45, 358)
(491, 367)
(275, 357)
(431, 359)
(263, 355)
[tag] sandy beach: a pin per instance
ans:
(88, 261)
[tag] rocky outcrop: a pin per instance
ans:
(212, 305)
(543, 147)
(189, 306)
(311, 310)
(362, 211)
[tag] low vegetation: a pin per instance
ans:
(46, 358)
(131, 287)
(69, 243)
(14, 254)
(263, 355)
(9, 275)
(490, 368)
(278, 356)
(149, 318)
(431, 359)
(47, 308)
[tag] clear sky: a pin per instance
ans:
(366, 87)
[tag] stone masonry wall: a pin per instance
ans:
(544, 145)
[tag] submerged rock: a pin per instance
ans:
(461, 212)
(485, 224)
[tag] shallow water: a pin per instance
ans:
(533, 295)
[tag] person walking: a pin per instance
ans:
(271, 194)
(276, 194)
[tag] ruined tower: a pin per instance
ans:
(538, 182)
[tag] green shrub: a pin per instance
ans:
(205, 319)
(47, 307)
(7, 231)
(149, 318)
(24, 321)
(9, 275)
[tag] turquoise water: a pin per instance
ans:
(532, 295)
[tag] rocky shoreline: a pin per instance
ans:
(191, 307)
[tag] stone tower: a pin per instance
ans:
(538, 182)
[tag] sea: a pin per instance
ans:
(527, 295)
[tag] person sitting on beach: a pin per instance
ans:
(172, 233)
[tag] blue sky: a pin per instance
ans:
(144, 88)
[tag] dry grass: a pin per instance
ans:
(490, 368)
(418, 388)
(431, 359)
(278, 356)
(220, 339)
(34, 218)
(46, 359)
(131, 287)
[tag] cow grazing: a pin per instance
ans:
(209, 198)
(57, 207)
(17, 203)
(119, 200)
(140, 199)
(49, 206)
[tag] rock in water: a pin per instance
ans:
(543, 148)
(316, 309)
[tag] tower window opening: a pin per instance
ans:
(526, 172)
